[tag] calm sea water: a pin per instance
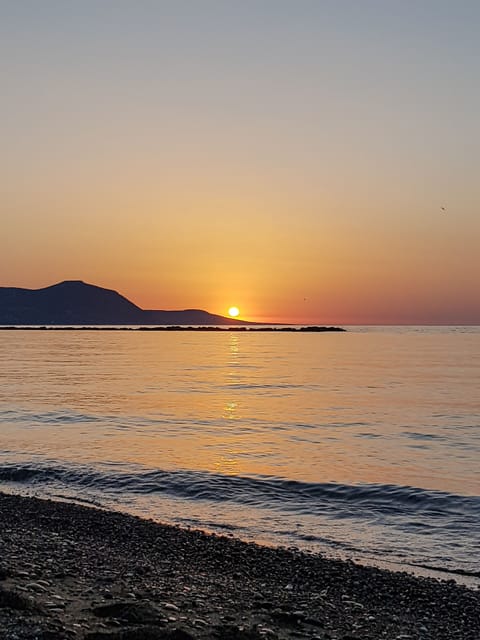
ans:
(363, 444)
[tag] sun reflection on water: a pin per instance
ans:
(230, 411)
(316, 409)
(227, 465)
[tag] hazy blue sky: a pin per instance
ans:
(289, 157)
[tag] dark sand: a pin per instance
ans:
(68, 571)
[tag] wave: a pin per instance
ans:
(402, 525)
(329, 499)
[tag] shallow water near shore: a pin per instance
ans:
(364, 444)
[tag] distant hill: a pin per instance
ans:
(74, 302)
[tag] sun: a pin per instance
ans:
(233, 312)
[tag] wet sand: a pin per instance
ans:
(68, 572)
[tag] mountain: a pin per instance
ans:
(74, 302)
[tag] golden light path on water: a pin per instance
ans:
(348, 408)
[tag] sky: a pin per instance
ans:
(310, 161)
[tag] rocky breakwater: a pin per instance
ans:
(69, 572)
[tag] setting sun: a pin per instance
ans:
(233, 312)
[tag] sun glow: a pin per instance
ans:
(233, 312)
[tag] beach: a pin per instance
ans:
(70, 571)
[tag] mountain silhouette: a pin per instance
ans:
(74, 302)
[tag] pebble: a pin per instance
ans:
(36, 587)
(354, 604)
(43, 583)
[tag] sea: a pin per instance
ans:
(362, 445)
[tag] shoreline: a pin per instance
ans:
(71, 571)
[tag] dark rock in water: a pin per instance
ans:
(135, 612)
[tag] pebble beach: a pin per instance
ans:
(69, 571)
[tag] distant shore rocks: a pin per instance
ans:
(299, 329)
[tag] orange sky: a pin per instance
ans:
(293, 164)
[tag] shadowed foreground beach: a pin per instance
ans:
(68, 571)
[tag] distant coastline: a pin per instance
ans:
(74, 303)
(299, 329)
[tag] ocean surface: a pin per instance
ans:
(361, 445)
